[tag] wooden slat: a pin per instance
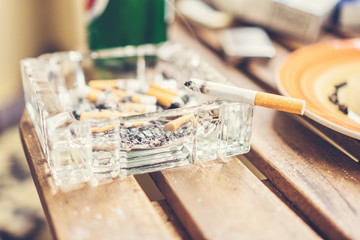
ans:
(319, 179)
(118, 209)
(170, 219)
(226, 201)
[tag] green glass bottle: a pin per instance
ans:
(113, 23)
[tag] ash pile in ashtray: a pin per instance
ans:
(104, 99)
(151, 136)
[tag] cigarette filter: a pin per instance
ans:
(165, 98)
(178, 122)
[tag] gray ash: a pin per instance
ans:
(152, 136)
(335, 100)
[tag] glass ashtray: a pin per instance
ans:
(125, 111)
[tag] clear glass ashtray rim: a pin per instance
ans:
(50, 114)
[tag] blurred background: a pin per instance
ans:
(27, 29)
(32, 27)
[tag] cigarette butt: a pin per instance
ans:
(93, 95)
(102, 129)
(163, 98)
(157, 87)
(103, 114)
(138, 107)
(141, 98)
(102, 84)
(138, 124)
(120, 93)
(177, 123)
(281, 103)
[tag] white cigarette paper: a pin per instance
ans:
(236, 94)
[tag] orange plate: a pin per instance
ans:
(311, 72)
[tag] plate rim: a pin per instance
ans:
(308, 113)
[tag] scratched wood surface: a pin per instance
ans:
(319, 179)
(118, 209)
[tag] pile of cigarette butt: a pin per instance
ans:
(128, 97)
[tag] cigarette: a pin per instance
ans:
(145, 99)
(138, 107)
(103, 114)
(96, 96)
(227, 92)
(120, 93)
(125, 84)
(102, 129)
(98, 85)
(134, 124)
(157, 87)
(103, 84)
(165, 97)
(177, 123)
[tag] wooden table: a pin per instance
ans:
(306, 187)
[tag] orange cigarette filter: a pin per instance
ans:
(102, 129)
(102, 84)
(281, 103)
(178, 122)
(93, 95)
(157, 87)
(163, 98)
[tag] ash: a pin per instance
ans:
(153, 136)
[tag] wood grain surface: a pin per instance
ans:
(118, 209)
(218, 200)
(320, 180)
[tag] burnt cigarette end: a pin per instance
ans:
(76, 115)
(185, 99)
(340, 85)
(333, 98)
(203, 89)
(343, 108)
(174, 105)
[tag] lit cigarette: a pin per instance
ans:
(237, 94)
(177, 123)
